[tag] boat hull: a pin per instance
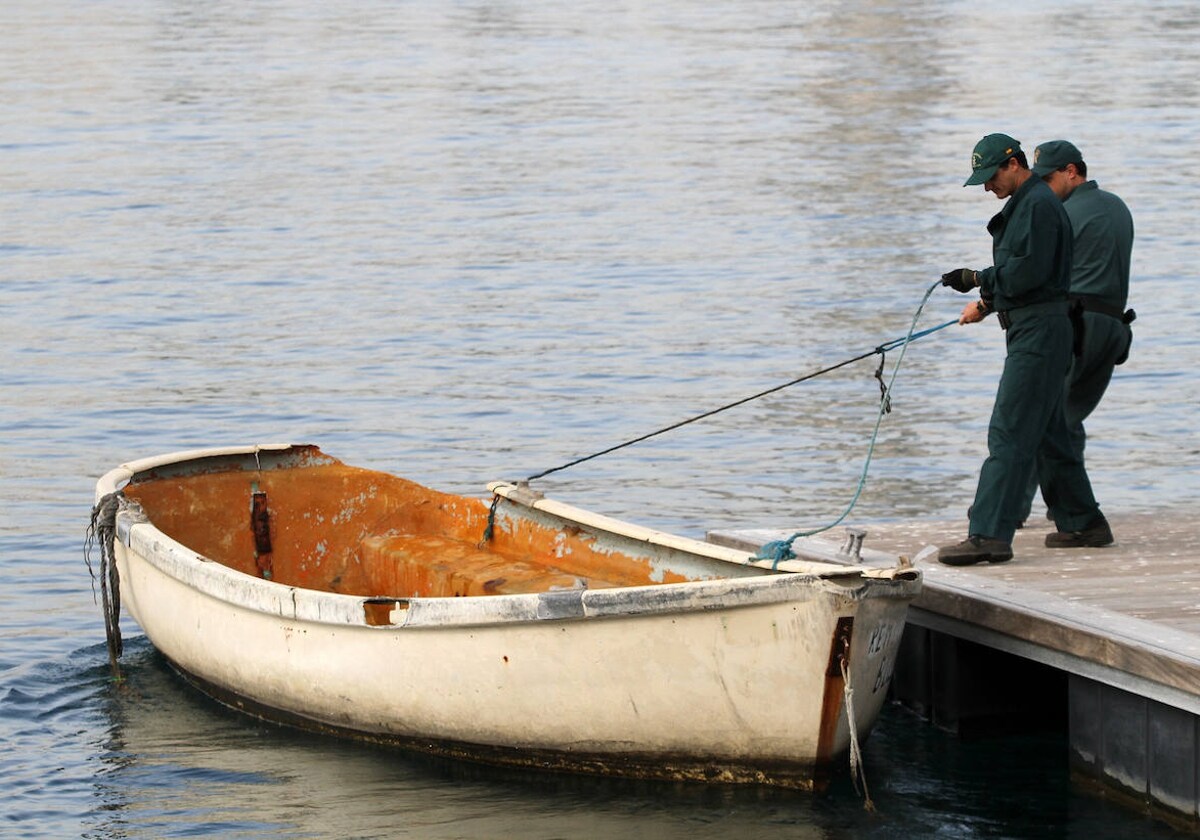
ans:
(739, 679)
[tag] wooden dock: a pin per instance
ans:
(1116, 630)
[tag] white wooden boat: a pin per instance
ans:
(291, 586)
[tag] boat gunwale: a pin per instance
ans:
(824, 560)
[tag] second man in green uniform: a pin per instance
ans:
(1102, 230)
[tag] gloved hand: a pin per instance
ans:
(960, 279)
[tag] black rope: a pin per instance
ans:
(885, 399)
(674, 426)
(881, 349)
(490, 530)
(102, 530)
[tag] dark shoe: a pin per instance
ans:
(975, 549)
(1096, 534)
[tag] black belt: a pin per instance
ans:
(1090, 303)
(1008, 317)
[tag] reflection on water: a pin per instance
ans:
(469, 241)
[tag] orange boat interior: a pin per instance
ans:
(336, 528)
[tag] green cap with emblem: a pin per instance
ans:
(1054, 154)
(989, 153)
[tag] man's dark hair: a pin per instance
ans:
(1021, 159)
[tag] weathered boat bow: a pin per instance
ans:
(299, 589)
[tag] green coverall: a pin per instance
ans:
(1102, 243)
(1027, 286)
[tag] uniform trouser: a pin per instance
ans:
(1028, 432)
(1105, 340)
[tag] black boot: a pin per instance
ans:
(1095, 534)
(975, 549)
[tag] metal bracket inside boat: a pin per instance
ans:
(129, 514)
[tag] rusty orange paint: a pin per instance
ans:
(835, 686)
(338, 528)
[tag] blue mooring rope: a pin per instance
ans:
(780, 550)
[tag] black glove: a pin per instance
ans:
(960, 279)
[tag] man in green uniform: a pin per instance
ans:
(1027, 287)
(1103, 241)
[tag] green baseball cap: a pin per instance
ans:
(1054, 154)
(989, 153)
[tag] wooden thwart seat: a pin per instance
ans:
(415, 566)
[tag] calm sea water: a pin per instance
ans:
(474, 240)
